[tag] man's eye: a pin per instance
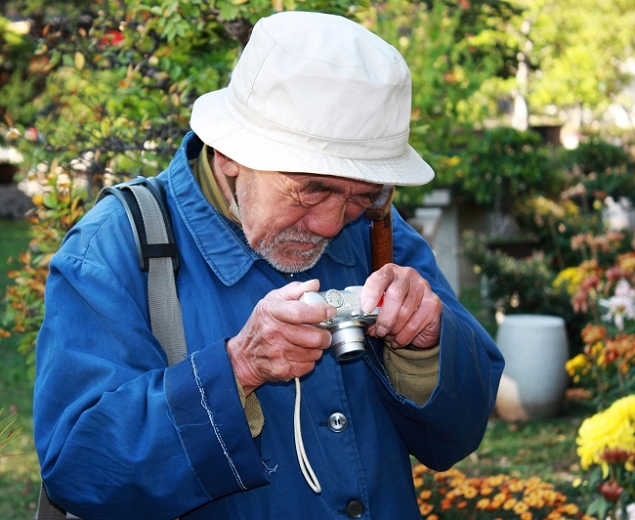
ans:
(312, 199)
(365, 201)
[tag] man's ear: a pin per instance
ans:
(227, 166)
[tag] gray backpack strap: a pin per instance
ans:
(157, 254)
(165, 309)
(46, 510)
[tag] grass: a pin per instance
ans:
(543, 448)
(539, 447)
(19, 474)
(14, 237)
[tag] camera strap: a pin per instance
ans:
(305, 465)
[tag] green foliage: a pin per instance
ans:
(590, 174)
(569, 229)
(57, 210)
(452, 49)
(127, 74)
(579, 47)
(506, 165)
(555, 221)
(14, 239)
(600, 169)
(17, 84)
(595, 156)
(517, 285)
(155, 78)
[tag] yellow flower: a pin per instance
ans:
(578, 364)
(486, 489)
(425, 509)
(516, 486)
(534, 500)
(570, 509)
(545, 207)
(470, 492)
(510, 503)
(495, 481)
(425, 494)
(550, 496)
(450, 161)
(533, 482)
(499, 499)
(627, 262)
(418, 469)
(612, 428)
(570, 279)
(482, 503)
(597, 350)
(38, 199)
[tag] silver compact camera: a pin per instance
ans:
(348, 327)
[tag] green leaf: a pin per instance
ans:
(50, 200)
(228, 11)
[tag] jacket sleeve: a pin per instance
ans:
(451, 424)
(118, 434)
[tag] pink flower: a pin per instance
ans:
(621, 305)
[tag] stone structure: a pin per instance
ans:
(14, 203)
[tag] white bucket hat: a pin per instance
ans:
(315, 93)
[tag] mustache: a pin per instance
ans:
(294, 260)
(299, 235)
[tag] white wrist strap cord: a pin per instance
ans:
(305, 465)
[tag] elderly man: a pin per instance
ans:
(267, 198)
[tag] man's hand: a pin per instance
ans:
(410, 314)
(280, 340)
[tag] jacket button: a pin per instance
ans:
(337, 422)
(355, 509)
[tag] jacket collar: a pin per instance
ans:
(220, 241)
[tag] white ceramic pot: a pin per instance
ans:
(535, 380)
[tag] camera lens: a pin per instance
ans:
(348, 339)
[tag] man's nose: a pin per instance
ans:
(328, 218)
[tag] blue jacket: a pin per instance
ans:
(121, 435)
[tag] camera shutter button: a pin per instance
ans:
(337, 422)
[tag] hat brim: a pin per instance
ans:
(220, 129)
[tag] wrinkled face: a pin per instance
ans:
(289, 218)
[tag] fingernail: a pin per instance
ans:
(331, 312)
(381, 331)
(368, 306)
